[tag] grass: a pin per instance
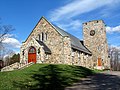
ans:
(43, 77)
(98, 71)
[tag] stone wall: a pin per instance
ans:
(97, 43)
(60, 46)
(25, 48)
(67, 59)
(81, 59)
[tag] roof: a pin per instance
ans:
(46, 49)
(75, 42)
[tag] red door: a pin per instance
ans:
(99, 62)
(32, 55)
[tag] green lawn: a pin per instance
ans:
(42, 76)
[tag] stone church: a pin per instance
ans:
(47, 43)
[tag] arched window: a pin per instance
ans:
(42, 36)
(32, 50)
(46, 35)
(23, 52)
(39, 38)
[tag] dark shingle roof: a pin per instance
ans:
(46, 49)
(75, 42)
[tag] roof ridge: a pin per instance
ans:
(67, 32)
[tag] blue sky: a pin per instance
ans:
(23, 15)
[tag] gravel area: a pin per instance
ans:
(107, 80)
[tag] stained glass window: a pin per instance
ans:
(32, 50)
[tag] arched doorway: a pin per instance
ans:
(32, 54)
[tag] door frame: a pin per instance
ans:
(32, 50)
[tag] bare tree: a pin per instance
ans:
(7, 57)
(114, 54)
(4, 31)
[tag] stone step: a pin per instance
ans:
(26, 65)
(16, 66)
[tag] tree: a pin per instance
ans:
(15, 58)
(7, 57)
(114, 54)
(4, 32)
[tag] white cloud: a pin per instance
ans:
(115, 46)
(78, 7)
(71, 24)
(11, 41)
(113, 29)
(74, 24)
(66, 16)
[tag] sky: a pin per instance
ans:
(69, 15)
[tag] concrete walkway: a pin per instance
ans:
(107, 80)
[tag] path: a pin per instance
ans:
(108, 80)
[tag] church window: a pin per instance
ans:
(42, 36)
(32, 50)
(23, 52)
(46, 35)
(92, 32)
(39, 38)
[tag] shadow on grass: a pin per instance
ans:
(53, 77)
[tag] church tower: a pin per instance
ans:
(94, 37)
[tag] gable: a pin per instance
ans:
(41, 22)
